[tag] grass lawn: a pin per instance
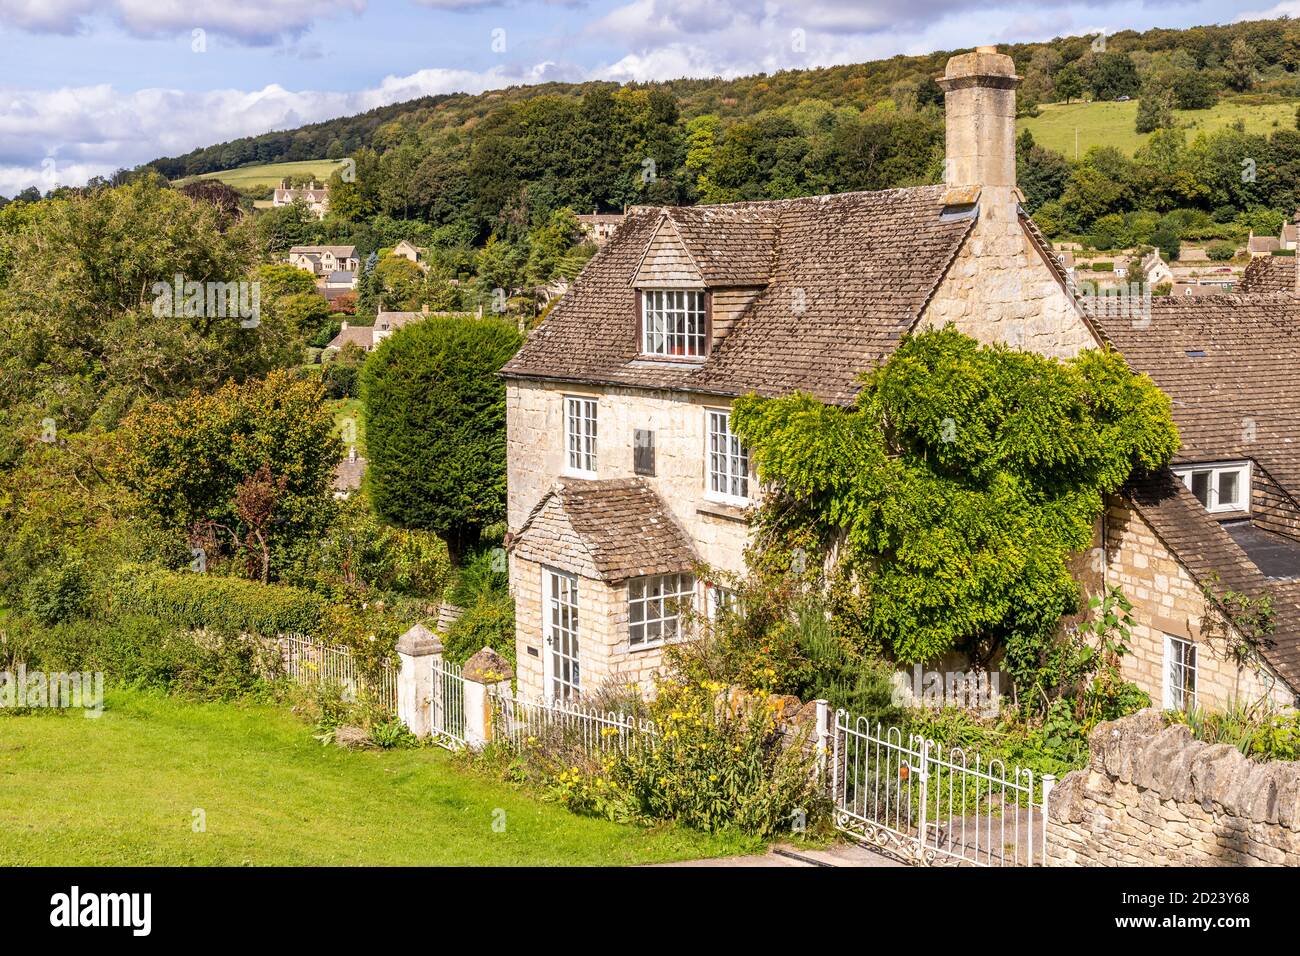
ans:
(1111, 124)
(268, 175)
(121, 789)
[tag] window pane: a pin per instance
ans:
(1228, 488)
(1201, 487)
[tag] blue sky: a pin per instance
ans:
(87, 86)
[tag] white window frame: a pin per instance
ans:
(726, 460)
(675, 323)
(720, 599)
(560, 615)
(658, 600)
(580, 433)
(1216, 471)
(1178, 651)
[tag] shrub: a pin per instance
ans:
(192, 600)
(713, 768)
(138, 651)
(57, 593)
(1221, 251)
(482, 589)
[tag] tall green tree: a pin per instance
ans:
(436, 427)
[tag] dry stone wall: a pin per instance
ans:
(1153, 796)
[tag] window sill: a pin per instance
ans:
(727, 510)
(574, 473)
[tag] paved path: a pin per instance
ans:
(839, 854)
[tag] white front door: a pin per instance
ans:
(560, 595)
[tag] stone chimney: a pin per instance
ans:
(980, 103)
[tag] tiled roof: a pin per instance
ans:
(1268, 274)
(847, 275)
(1218, 563)
(344, 252)
(1231, 366)
(362, 335)
(627, 529)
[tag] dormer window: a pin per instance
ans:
(675, 323)
(1220, 488)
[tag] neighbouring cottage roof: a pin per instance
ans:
(624, 526)
(1231, 365)
(362, 335)
(844, 277)
(348, 474)
(1259, 245)
(388, 321)
(1268, 274)
(339, 252)
(1231, 368)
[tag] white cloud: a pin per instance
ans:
(257, 22)
(64, 136)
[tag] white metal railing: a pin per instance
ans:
(447, 705)
(927, 806)
(567, 724)
(313, 663)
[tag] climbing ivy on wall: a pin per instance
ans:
(956, 490)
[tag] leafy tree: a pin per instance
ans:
(435, 427)
(1112, 75)
(1155, 110)
(958, 488)
(243, 471)
(398, 283)
(82, 323)
(1069, 83)
(1194, 90)
(1240, 65)
(1041, 173)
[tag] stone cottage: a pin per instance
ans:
(624, 474)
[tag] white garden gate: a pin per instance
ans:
(911, 799)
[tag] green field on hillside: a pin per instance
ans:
(268, 175)
(1111, 124)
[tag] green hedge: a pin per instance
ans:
(187, 599)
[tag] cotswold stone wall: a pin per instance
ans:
(1153, 796)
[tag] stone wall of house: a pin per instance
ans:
(1167, 600)
(604, 655)
(537, 457)
(1153, 796)
(999, 289)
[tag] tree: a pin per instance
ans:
(1041, 173)
(398, 283)
(1155, 110)
(1240, 65)
(83, 325)
(435, 427)
(1194, 90)
(1069, 83)
(219, 466)
(957, 490)
(1112, 75)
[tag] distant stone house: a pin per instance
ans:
(624, 475)
(598, 227)
(412, 253)
(367, 337)
(315, 195)
(324, 261)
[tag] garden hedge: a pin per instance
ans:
(192, 600)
